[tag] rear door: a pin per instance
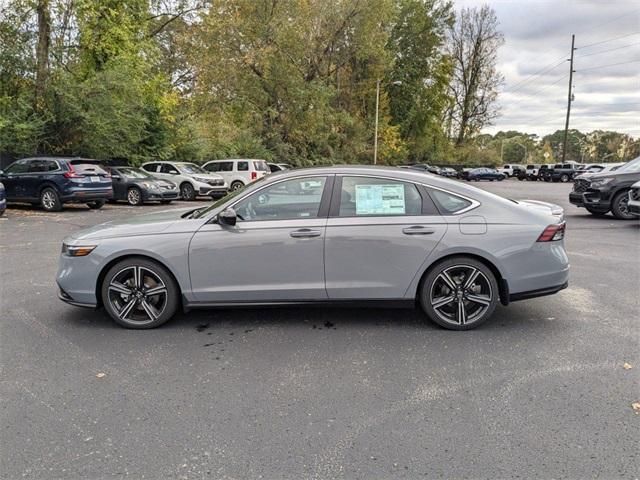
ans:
(379, 233)
(13, 177)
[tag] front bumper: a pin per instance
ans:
(151, 195)
(634, 207)
(595, 199)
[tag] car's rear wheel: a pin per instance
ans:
(139, 293)
(620, 206)
(459, 293)
(237, 185)
(187, 192)
(50, 200)
(96, 204)
(134, 196)
(597, 213)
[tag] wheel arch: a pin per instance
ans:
(503, 286)
(107, 266)
(49, 184)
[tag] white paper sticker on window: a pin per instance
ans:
(380, 200)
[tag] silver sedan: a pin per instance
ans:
(323, 235)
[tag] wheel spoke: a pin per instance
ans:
(120, 288)
(471, 278)
(151, 311)
(137, 277)
(441, 301)
(481, 299)
(126, 310)
(462, 313)
(155, 291)
(448, 280)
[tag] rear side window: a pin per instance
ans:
(243, 166)
(367, 196)
(225, 166)
(448, 203)
(260, 165)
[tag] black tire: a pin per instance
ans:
(564, 178)
(620, 206)
(521, 178)
(460, 268)
(501, 178)
(237, 185)
(547, 179)
(50, 200)
(154, 276)
(597, 213)
(187, 192)
(134, 197)
(96, 204)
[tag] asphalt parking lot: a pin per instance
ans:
(539, 391)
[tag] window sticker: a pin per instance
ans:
(380, 200)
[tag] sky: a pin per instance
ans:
(533, 61)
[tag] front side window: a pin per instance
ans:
(243, 166)
(190, 168)
(168, 168)
(18, 167)
(225, 167)
(448, 203)
(213, 167)
(632, 166)
(298, 198)
(367, 196)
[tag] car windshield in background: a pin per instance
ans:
(631, 167)
(134, 173)
(260, 165)
(190, 168)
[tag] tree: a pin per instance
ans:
(473, 46)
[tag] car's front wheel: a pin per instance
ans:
(134, 196)
(139, 293)
(620, 206)
(459, 293)
(597, 213)
(187, 192)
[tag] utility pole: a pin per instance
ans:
(569, 99)
(375, 135)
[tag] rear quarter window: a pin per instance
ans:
(449, 203)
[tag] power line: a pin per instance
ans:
(608, 50)
(538, 91)
(607, 40)
(608, 65)
(544, 69)
(607, 22)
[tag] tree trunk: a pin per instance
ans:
(42, 51)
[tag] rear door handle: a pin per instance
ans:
(418, 230)
(305, 233)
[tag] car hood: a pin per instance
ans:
(544, 207)
(147, 224)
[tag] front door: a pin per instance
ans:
(380, 232)
(273, 253)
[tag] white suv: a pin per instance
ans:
(238, 172)
(510, 170)
(191, 179)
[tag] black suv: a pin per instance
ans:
(50, 182)
(609, 191)
(562, 172)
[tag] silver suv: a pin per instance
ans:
(190, 178)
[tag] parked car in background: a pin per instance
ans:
(448, 172)
(597, 168)
(190, 178)
(3, 199)
(511, 170)
(606, 192)
(238, 172)
(423, 167)
(563, 172)
(136, 186)
(278, 167)
(365, 234)
(51, 182)
(634, 199)
(490, 174)
(464, 173)
(530, 172)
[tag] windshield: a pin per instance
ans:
(134, 173)
(189, 168)
(632, 166)
(202, 212)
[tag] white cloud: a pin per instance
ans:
(538, 35)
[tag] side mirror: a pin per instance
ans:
(1, 172)
(228, 217)
(116, 177)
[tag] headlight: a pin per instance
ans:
(149, 185)
(601, 182)
(77, 250)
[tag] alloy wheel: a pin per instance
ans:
(48, 200)
(138, 295)
(461, 295)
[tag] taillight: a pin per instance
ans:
(553, 233)
(71, 173)
(254, 175)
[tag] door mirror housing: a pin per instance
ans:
(228, 217)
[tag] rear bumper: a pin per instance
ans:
(87, 195)
(541, 292)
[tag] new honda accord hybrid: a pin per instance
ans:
(322, 235)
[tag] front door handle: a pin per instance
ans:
(305, 233)
(418, 230)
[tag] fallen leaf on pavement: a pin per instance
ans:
(636, 406)
(100, 375)
(627, 366)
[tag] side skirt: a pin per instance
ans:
(374, 303)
